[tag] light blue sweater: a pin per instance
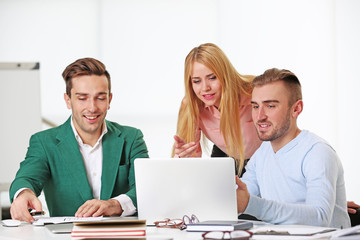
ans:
(302, 183)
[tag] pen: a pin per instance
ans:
(36, 213)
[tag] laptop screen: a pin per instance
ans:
(174, 187)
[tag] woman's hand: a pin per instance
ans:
(183, 149)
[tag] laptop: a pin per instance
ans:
(174, 187)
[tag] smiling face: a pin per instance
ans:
(206, 85)
(274, 118)
(89, 102)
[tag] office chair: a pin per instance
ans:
(355, 218)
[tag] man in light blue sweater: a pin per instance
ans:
(295, 177)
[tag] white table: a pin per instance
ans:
(29, 232)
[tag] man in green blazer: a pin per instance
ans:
(86, 165)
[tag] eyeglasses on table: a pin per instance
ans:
(233, 235)
(177, 222)
(169, 223)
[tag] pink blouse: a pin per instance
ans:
(210, 126)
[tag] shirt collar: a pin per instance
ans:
(292, 143)
(78, 138)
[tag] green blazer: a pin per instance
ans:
(54, 164)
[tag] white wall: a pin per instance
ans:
(348, 85)
(144, 43)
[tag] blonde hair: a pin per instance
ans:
(233, 86)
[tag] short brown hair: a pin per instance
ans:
(289, 78)
(83, 67)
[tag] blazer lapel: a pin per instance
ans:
(69, 153)
(112, 149)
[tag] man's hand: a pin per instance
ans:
(242, 195)
(96, 208)
(352, 207)
(19, 209)
(183, 149)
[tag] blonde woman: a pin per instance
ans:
(217, 104)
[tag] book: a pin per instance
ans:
(109, 228)
(219, 225)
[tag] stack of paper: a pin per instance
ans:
(347, 234)
(41, 221)
(114, 228)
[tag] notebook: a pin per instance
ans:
(60, 228)
(67, 223)
(206, 226)
(174, 187)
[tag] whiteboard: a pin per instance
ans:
(20, 113)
